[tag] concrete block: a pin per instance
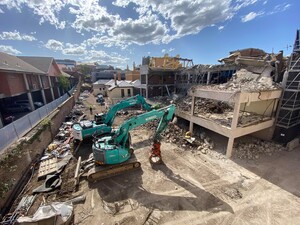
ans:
(293, 144)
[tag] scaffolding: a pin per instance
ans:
(289, 111)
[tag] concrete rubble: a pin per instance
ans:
(246, 80)
(219, 112)
(255, 148)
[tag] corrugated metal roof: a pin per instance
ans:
(120, 84)
(101, 82)
(13, 63)
(42, 63)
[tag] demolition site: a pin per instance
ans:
(166, 142)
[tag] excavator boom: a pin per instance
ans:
(112, 152)
(103, 122)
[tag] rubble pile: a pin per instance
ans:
(209, 106)
(256, 149)
(246, 81)
(225, 119)
(201, 105)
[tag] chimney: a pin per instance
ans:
(115, 79)
(119, 76)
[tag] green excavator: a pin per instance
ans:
(102, 122)
(112, 154)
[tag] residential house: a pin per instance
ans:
(50, 79)
(19, 81)
(119, 89)
(99, 87)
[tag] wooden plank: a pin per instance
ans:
(48, 166)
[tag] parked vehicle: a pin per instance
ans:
(37, 104)
(15, 108)
(100, 100)
(26, 104)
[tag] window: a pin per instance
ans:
(122, 93)
(128, 92)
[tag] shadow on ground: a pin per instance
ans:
(132, 188)
(281, 169)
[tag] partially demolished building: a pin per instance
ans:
(243, 100)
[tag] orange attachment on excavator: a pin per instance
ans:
(155, 156)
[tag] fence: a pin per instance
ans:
(18, 128)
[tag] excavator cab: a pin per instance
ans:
(99, 118)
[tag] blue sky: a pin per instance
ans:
(119, 32)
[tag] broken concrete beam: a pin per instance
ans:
(292, 144)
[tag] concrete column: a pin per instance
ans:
(51, 88)
(191, 128)
(234, 123)
(175, 83)
(146, 85)
(208, 77)
(42, 90)
(229, 149)
(58, 89)
(236, 112)
(1, 123)
(28, 92)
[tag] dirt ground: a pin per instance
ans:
(193, 188)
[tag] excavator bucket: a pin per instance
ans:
(155, 155)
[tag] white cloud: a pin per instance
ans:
(85, 53)
(220, 27)
(243, 3)
(250, 16)
(54, 45)
(9, 50)
(171, 49)
(163, 51)
(104, 58)
(15, 35)
(1, 11)
(74, 49)
(157, 21)
(279, 8)
(47, 10)
(90, 16)
(265, 2)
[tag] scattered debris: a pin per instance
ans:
(255, 149)
(59, 213)
(52, 182)
(233, 193)
(292, 144)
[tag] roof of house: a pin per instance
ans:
(42, 63)
(120, 84)
(13, 63)
(136, 83)
(65, 74)
(100, 82)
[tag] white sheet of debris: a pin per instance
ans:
(58, 213)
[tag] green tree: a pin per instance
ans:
(85, 69)
(64, 82)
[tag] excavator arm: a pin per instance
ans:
(113, 153)
(164, 114)
(135, 100)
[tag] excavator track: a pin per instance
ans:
(101, 172)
